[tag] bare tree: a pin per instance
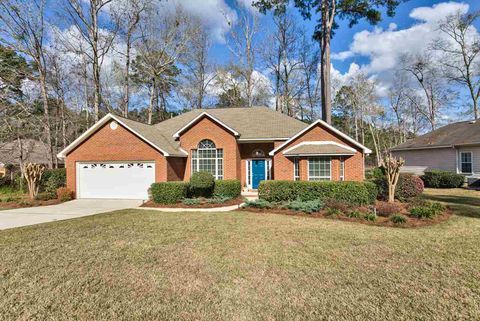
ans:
(129, 13)
(428, 77)
(460, 52)
(242, 44)
(309, 67)
(198, 72)
(23, 28)
(85, 17)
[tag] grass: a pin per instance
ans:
(145, 265)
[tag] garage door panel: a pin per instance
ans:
(115, 180)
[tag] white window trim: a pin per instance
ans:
(217, 176)
(296, 159)
(342, 168)
(248, 171)
(319, 177)
(460, 161)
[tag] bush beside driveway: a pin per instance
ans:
(143, 265)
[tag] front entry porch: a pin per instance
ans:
(258, 170)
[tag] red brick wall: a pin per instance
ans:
(354, 165)
(114, 145)
(208, 129)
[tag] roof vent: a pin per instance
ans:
(472, 122)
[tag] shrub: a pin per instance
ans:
(409, 186)
(374, 173)
(337, 204)
(168, 192)
(354, 214)
(11, 199)
(231, 188)
(53, 179)
(333, 211)
(191, 201)
(353, 193)
(260, 203)
(45, 196)
(442, 179)
(387, 209)
(371, 217)
(398, 219)
(429, 210)
(5, 181)
(218, 199)
(64, 194)
(202, 184)
(305, 206)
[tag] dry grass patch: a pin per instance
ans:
(146, 265)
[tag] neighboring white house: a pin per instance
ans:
(454, 148)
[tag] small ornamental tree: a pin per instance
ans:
(33, 175)
(391, 167)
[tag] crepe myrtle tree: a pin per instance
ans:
(391, 167)
(327, 13)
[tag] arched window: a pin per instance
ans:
(207, 158)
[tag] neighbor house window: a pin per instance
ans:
(208, 158)
(319, 169)
(466, 162)
(296, 169)
(342, 169)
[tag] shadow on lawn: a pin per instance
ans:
(462, 205)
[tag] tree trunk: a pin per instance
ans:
(96, 64)
(326, 95)
(48, 137)
(126, 85)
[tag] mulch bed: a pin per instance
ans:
(412, 222)
(27, 203)
(203, 204)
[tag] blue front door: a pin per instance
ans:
(258, 172)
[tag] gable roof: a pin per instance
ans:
(319, 148)
(461, 133)
(326, 125)
(146, 132)
(251, 123)
(196, 119)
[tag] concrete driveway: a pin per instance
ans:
(76, 208)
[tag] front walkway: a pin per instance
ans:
(76, 208)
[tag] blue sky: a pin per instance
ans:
(344, 35)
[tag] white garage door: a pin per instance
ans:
(115, 180)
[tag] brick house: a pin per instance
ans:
(120, 158)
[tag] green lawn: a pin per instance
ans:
(146, 265)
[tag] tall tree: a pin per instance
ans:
(128, 13)
(326, 12)
(460, 51)
(23, 28)
(85, 17)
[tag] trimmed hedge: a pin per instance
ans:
(442, 179)
(168, 192)
(409, 186)
(354, 193)
(231, 188)
(202, 184)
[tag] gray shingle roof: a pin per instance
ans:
(461, 133)
(250, 123)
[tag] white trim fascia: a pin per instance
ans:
(420, 148)
(315, 155)
(193, 121)
(183, 151)
(97, 125)
(326, 142)
(246, 140)
(321, 122)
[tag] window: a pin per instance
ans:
(296, 169)
(342, 169)
(466, 162)
(207, 158)
(319, 169)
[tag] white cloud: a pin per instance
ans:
(385, 47)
